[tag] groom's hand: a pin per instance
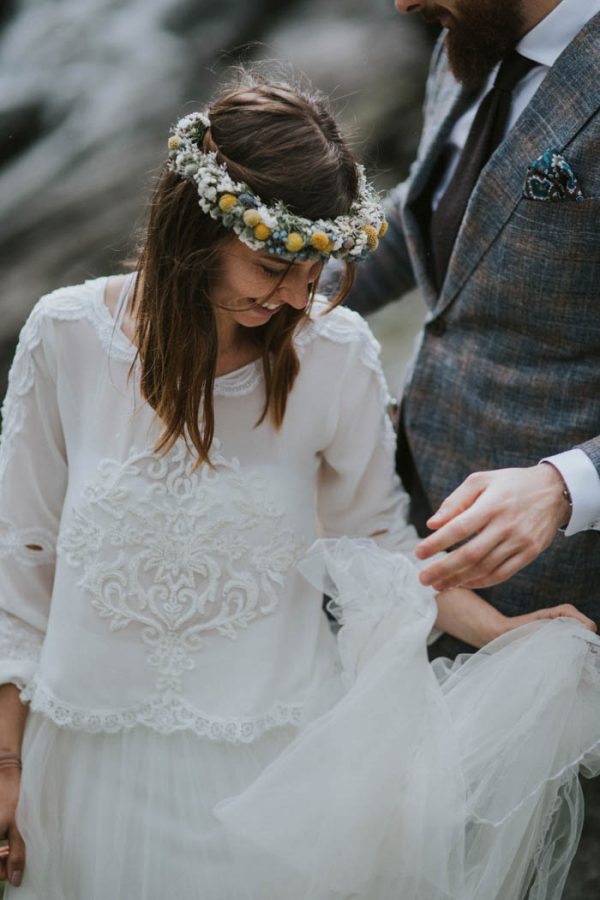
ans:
(507, 517)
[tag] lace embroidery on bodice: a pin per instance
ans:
(180, 554)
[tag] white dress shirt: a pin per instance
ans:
(544, 44)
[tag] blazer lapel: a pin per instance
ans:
(567, 98)
(448, 108)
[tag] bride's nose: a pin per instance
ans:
(295, 295)
(295, 288)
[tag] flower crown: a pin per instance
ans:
(273, 229)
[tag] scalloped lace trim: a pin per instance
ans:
(241, 382)
(163, 716)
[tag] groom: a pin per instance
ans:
(499, 225)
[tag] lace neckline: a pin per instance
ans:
(118, 346)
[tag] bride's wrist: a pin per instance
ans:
(499, 625)
(466, 616)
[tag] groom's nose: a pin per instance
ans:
(408, 6)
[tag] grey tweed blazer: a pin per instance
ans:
(509, 368)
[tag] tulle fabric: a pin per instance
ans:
(451, 782)
(128, 815)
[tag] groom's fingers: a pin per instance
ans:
(478, 560)
(517, 511)
(513, 539)
(450, 570)
(509, 567)
(458, 529)
(458, 501)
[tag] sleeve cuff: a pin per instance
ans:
(583, 482)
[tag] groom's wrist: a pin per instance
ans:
(583, 481)
(563, 503)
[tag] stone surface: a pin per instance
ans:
(84, 123)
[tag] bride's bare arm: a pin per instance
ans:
(467, 616)
(13, 714)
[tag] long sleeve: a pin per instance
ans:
(33, 476)
(359, 493)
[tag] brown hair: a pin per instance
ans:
(284, 143)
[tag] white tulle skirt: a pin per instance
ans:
(456, 781)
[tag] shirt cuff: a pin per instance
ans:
(583, 483)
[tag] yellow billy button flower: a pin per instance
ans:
(320, 241)
(383, 229)
(372, 237)
(251, 218)
(262, 232)
(294, 242)
(227, 202)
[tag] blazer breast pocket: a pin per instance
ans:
(566, 231)
(547, 265)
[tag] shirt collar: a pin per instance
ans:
(550, 37)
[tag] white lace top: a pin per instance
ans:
(134, 590)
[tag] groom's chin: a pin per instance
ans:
(469, 63)
(484, 33)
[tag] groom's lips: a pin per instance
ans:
(438, 16)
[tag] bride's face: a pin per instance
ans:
(250, 287)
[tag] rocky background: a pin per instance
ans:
(88, 89)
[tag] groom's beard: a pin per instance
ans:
(481, 34)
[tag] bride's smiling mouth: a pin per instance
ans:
(263, 307)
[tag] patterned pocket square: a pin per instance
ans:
(550, 178)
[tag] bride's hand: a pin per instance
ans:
(564, 610)
(12, 864)
(471, 619)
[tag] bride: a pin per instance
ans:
(192, 455)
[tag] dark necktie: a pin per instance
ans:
(486, 133)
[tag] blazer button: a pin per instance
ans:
(437, 328)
